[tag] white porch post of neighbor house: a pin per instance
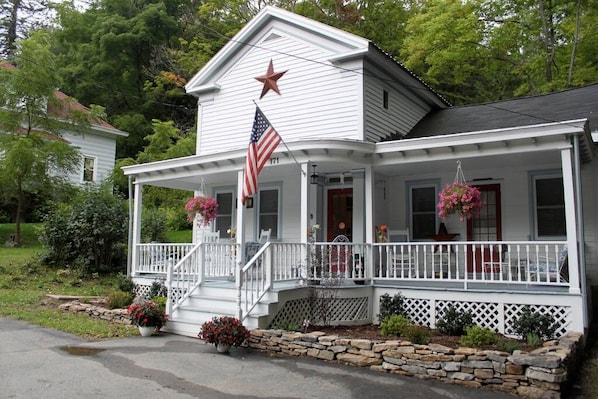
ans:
(240, 240)
(369, 219)
(570, 220)
(305, 215)
(137, 202)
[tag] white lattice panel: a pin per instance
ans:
(484, 314)
(417, 310)
(343, 310)
(560, 314)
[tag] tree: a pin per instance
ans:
(34, 154)
(18, 18)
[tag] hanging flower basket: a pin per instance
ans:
(459, 198)
(205, 207)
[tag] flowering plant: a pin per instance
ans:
(206, 207)
(459, 198)
(147, 314)
(224, 330)
(311, 233)
(381, 232)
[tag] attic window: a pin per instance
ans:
(272, 36)
(385, 99)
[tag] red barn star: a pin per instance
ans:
(269, 80)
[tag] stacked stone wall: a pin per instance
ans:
(119, 316)
(542, 373)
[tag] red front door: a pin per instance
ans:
(486, 227)
(340, 213)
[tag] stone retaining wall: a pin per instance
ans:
(119, 316)
(538, 374)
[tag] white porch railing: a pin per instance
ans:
(473, 261)
(155, 258)
(528, 263)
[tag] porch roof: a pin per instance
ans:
(563, 106)
(522, 145)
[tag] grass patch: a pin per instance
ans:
(182, 236)
(24, 283)
(28, 233)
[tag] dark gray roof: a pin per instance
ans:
(566, 105)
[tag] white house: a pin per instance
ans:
(367, 143)
(97, 144)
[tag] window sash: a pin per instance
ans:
(549, 207)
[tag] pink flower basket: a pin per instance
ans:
(460, 198)
(205, 207)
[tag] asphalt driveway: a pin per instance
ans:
(37, 362)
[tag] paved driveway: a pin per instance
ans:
(37, 362)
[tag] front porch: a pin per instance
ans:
(494, 280)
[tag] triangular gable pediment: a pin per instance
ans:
(269, 25)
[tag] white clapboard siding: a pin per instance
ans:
(317, 98)
(101, 147)
(404, 108)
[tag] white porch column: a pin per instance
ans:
(369, 222)
(305, 215)
(240, 241)
(570, 220)
(137, 206)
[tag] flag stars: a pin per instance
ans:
(270, 80)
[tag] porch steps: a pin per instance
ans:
(216, 300)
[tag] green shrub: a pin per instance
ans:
(286, 326)
(478, 336)
(394, 325)
(454, 322)
(126, 284)
(153, 225)
(507, 345)
(531, 322)
(390, 306)
(89, 233)
(160, 302)
(176, 219)
(532, 339)
(119, 299)
(416, 334)
(157, 289)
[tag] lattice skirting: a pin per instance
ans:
(494, 315)
(339, 311)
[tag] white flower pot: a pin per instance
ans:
(147, 331)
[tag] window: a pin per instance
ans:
(268, 210)
(89, 169)
(226, 206)
(422, 209)
(549, 206)
(385, 99)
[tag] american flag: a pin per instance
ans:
(264, 140)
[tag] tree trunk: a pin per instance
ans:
(11, 30)
(547, 38)
(20, 196)
(574, 45)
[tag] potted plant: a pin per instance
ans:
(224, 332)
(205, 207)
(148, 316)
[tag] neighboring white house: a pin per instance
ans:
(97, 145)
(367, 143)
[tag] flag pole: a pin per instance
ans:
(282, 140)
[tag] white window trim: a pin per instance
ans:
(270, 187)
(533, 177)
(94, 176)
(413, 184)
(227, 190)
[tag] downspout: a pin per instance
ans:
(580, 230)
(130, 238)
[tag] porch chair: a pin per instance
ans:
(540, 267)
(265, 236)
(340, 255)
(403, 260)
